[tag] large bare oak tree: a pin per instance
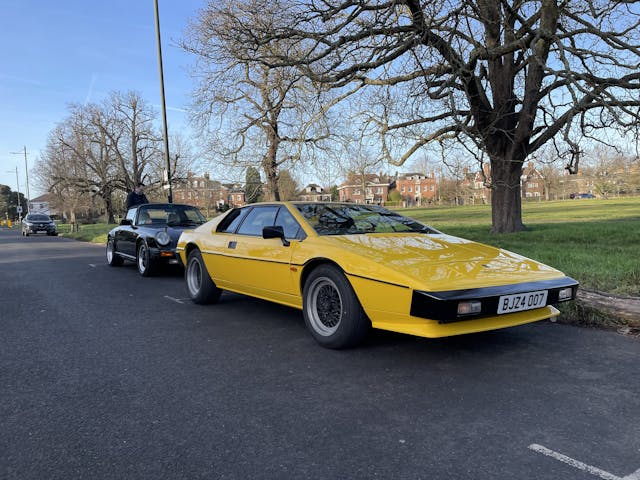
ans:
(500, 77)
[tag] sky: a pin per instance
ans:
(53, 54)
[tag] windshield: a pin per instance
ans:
(347, 219)
(37, 218)
(171, 215)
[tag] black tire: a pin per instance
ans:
(113, 259)
(201, 289)
(145, 265)
(331, 309)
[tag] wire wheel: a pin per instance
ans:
(325, 306)
(331, 309)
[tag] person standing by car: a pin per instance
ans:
(137, 197)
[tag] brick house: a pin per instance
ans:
(531, 182)
(476, 185)
(369, 188)
(208, 194)
(314, 193)
(417, 188)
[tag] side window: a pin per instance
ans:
(231, 222)
(288, 223)
(258, 218)
(131, 214)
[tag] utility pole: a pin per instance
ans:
(162, 101)
(18, 207)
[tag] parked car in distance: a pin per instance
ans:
(578, 196)
(350, 267)
(148, 235)
(34, 223)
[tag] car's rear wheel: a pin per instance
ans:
(113, 259)
(202, 290)
(331, 309)
(143, 260)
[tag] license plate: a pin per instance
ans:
(522, 301)
(41, 231)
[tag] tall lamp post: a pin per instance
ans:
(162, 101)
(18, 194)
(26, 172)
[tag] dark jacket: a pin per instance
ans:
(134, 199)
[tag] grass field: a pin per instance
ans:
(597, 242)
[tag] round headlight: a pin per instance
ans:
(163, 238)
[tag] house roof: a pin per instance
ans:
(47, 197)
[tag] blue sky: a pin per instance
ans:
(53, 54)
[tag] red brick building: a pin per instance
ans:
(531, 182)
(369, 188)
(417, 188)
(208, 194)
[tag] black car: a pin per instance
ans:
(38, 223)
(149, 233)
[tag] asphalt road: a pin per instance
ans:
(105, 374)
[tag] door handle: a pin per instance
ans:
(232, 244)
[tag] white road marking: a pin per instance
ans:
(177, 300)
(582, 466)
(634, 476)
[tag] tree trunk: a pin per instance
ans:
(270, 167)
(506, 203)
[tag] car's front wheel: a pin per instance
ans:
(113, 259)
(143, 260)
(331, 309)
(201, 289)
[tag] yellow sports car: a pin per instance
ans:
(350, 267)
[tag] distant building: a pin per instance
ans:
(42, 204)
(417, 188)
(208, 194)
(369, 188)
(531, 182)
(314, 193)
(477, 185)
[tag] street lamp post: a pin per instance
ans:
(26, 172)
(162, 101)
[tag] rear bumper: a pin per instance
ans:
(168, 256)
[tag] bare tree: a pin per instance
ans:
(251, 110)
(501, 78)
(103, 149)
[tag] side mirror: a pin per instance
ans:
(275, 232)
(126, 221)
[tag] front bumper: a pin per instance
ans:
(34, 229)
(443, 306)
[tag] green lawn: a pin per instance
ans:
(595, 241)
